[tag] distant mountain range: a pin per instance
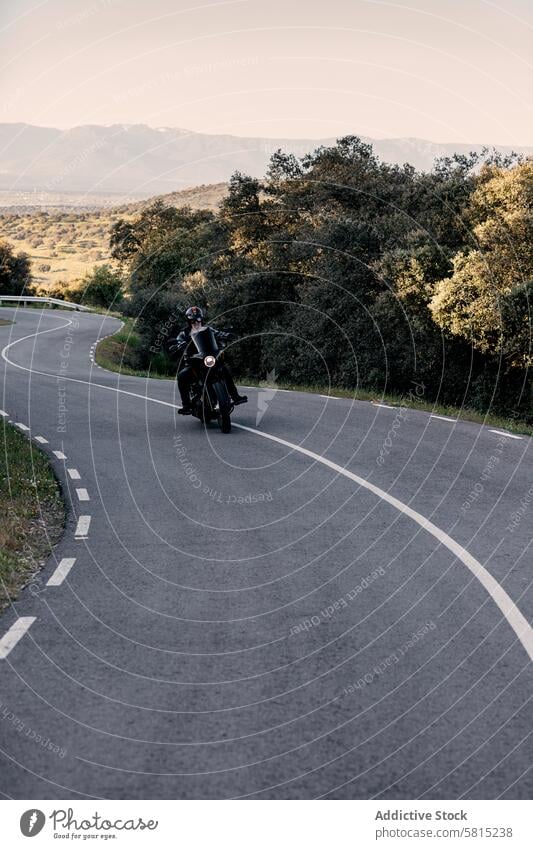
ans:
(142, 161)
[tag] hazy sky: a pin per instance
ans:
(445, 70)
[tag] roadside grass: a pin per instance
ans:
(32, 512)
(116, 353)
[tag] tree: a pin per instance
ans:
(102, 287)
(486, 280)
(15, 271)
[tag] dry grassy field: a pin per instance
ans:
(64, 242)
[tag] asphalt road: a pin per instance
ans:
(341, 613)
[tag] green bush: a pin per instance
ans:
(103, 287)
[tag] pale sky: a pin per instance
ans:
(444, 70)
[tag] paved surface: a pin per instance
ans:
(239, 619)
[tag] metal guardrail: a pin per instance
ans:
(24, 299)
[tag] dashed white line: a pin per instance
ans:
(41, 439)
(3, 413)
(60, 455)
(21, 426)
(387, 406)
(15, 633)
(503, 433)
(83, 495)
(331, 397)
(74, 474)
(59, 575)
(82, 528)
(442, 418)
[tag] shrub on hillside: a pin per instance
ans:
(15, 271)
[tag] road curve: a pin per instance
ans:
(332, 601)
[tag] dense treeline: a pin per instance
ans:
(337, 268)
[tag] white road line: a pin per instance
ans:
(21, 426)
(510, 611)
(82, 528)
(3, 413)
(515, 618)
(15, 633)
(59, 575)
(83, 495)
(442, 418)
(41, 439)
(74, 474)
(331, 397)
(503, 433)
(377, 404)
(60, 455)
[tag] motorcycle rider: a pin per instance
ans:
(185, 346)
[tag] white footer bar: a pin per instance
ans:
(284, 824)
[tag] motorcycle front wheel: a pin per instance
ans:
(224, 406)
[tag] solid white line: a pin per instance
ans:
(41, 439)
(60, 455)
(74, 474)
(82, 528)
(83, 495)
(64, 567)
(15, 633)
(21, 426)
(377, 404)
(331, 397)
(514, 617)
(442, 418)
(503, 433)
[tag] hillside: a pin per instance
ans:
(65, 242)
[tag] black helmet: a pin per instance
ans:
(194, 314)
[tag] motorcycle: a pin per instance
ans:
(210, 398)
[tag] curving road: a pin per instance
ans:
(332, 601)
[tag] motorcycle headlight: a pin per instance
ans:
(209, 361)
